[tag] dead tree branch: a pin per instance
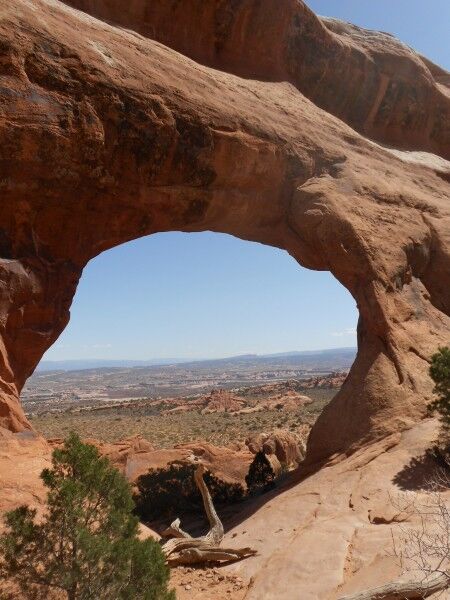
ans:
(184, 549)
(411, 590)
(422, 549)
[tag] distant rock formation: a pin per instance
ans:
(288, 447)
(333, 381)
(106, 136)
(227, 401)
(222, 401)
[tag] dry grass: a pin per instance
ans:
(167, 430)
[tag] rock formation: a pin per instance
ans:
(340, 516)
(106, 136)
(136, 456)
(288, 447)
(273, 396)
(332, 381)
(222, 401)
(369, 79)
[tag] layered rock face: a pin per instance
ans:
(106, 136)
(369, 79)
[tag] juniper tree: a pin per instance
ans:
(86, 544)
(260, 476)
(440, 373)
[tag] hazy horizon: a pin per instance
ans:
(98, 363)
(187, 358)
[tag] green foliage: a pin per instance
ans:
(172, 491)
(86, 545)
(261, 476)
(440, 373)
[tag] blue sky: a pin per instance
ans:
(422, 24)
(210, 295)
(199, 295)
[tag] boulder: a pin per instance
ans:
(289, 448)
(226, 464)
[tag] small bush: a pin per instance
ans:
(86, 545)
(260, 477)
(440, 373)
(172, 491)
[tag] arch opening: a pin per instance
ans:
(167, 325)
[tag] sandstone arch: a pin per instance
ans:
(368, 79)
(107, 136)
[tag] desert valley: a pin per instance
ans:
(179, 403)
(304, 475)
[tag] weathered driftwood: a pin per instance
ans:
(185, 549)
(410, 590)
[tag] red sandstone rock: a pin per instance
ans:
(222, 401)
(106, 136)
(334, 381)
(290, 400)
(227, 464)
(288, 447)
(369, 79)
(276, 396)
(336, 517)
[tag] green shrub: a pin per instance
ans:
(440, 373)
(171, 491)
(86, 544)
(260, 477)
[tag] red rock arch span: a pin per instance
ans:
(107, 136)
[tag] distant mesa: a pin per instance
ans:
(102, 363)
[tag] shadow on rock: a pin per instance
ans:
(422, 472)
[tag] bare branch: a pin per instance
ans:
(184, 549)
(411, 590)
(422, 548)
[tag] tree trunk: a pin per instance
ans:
(411, 590)
(72, 592)
(184, 549)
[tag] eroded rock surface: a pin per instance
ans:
(288, 447)
(331, 533)
(369, 79)
(106, 136)
(136, 456)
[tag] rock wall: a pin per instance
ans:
(369, 79)
(106, 136)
